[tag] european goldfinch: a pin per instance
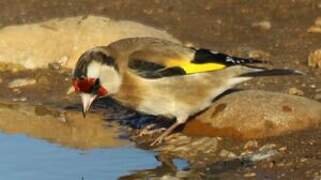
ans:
(160, 77)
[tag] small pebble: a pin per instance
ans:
(219, 21)
(316, 27)
(250, 174)
(314, 59)
(17, 91)
(271, 164)
(189, 44)
(295, 91)
(267, 147)
(313, 86)
(22, 99)
(207, 8)
(251, 145)
(284, 148)
(264, 25)
(303, 160)
(245, 153)
(21, 82)
(318, 21)
(227, 154)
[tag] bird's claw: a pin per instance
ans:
(165, 134)
(149, 129)
(146, 130)
(157, 141)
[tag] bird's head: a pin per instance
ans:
(95, 75)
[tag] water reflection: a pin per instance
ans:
(78, 148)
(166, 170)
(31, 159)
(65, 128)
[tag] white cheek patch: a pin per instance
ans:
(110, 78)
(93, 70)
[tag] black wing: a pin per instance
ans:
(156, 64)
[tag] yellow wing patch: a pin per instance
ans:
(191, 68)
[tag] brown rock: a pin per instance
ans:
(314, 59)
(316, 28)
(63, 40)
(295, 91)
(17, 83)
(255, 114)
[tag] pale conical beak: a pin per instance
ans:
(71, 90)
(86, 99)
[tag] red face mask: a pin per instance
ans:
(88, 85)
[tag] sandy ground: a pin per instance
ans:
(227, 26)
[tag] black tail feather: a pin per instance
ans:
(238, 60)
(272, 72)
(208, 56)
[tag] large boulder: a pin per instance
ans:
(64, 40)
(255, 114)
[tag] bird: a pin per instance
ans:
(160, 77)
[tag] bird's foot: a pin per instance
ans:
(149, 129)
(168, 131)
(159, 140)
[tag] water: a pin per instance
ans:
(38, 142)
(31, 159)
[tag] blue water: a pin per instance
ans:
(24, 158)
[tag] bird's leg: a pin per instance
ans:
(151, 128)
(178, 122)
(147, 130)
